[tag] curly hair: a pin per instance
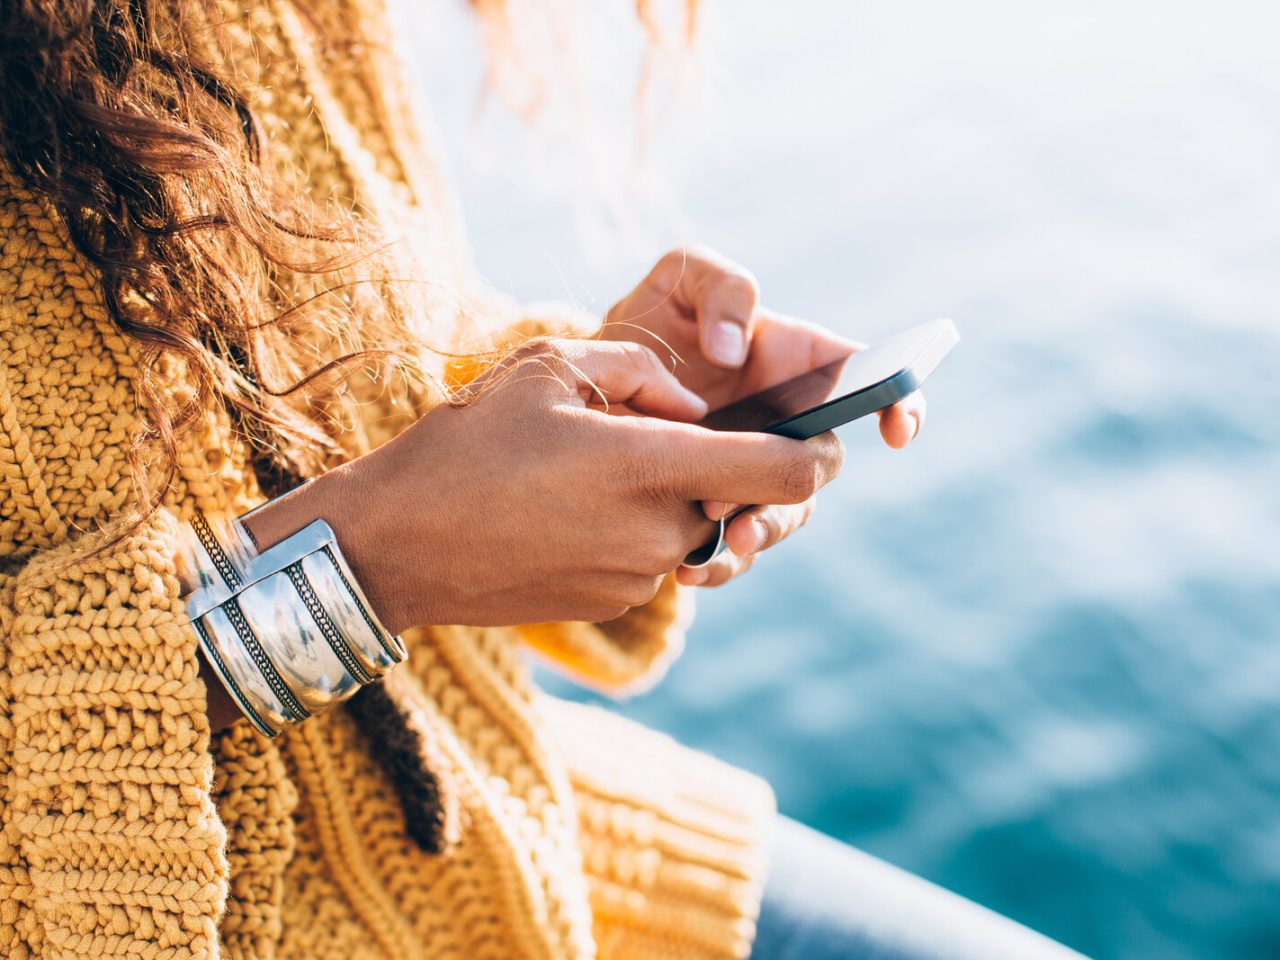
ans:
(155, 164)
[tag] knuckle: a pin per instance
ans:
(646, 361)
(661, 556)
(706, 255)
(642, 357)
(727, 270)
(640, 469)
(740, 285)
(674, 556)
(602, 613)
(540, 348)
(668, 270)
(583, 610)
(774, 527)
(675, 257)
(528, 359)
(658, 565)
(605, 600)
(641, 590)
(799, 478)
(833, 454)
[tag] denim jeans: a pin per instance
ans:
(824, 900)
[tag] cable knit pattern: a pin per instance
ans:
(108, 796)
(127, 830)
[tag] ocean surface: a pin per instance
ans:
(1035, 657)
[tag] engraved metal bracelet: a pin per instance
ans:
(287, 630)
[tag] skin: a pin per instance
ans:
(541, 499)
(702, 312)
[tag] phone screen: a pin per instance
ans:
(769, 406)
(848, 388)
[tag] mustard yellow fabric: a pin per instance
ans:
(126, 830)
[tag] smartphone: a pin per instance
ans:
(833, 395)
(849, 388)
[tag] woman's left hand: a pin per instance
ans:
(703, 310)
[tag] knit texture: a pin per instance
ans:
(127, 830)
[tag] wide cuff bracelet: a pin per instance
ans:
(287, 629)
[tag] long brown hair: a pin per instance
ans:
(155, 164)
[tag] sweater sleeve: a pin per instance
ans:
(621, 656)
(674, 842)
(111, 844)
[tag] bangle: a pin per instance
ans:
(286, 629)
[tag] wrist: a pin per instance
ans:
(342, 499)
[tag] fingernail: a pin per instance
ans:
(714, 509)
(761, 534)
(728, 343)
(915, 425)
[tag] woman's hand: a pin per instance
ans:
(529, 503)
(702, 311)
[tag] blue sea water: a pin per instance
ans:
(1034, 657)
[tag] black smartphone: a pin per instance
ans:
(832, 395)
(845, 390)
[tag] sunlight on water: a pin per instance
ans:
(1033, 658)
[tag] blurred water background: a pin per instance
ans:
(1033, 658)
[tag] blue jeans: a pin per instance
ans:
(824, 900)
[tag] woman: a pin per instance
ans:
(228, 265)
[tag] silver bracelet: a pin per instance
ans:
(287, 629)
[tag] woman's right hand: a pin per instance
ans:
(531, 503)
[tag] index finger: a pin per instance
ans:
(901, 423)
(720, 293)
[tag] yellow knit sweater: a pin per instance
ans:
(127, 830)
